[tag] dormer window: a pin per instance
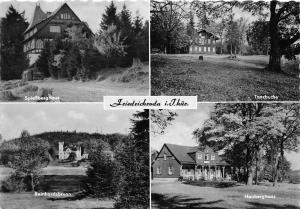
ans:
(165, 157)
(199, 156)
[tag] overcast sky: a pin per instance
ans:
(82, 117)
(180, 132)
(88, 11)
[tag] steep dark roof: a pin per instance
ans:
(209, 33)
(182, 153)
(38, 16)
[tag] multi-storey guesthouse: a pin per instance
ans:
(197, 162)
(48, 26)
(203, 43)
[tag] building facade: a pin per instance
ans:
(48, 26)
(174, 161)
(203, 43)
(64, 152)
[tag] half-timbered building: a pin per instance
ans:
(203, 43)
(174, 161)
(46, 26)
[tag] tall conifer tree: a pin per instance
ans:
(13, 59)
(109, 17)
(134, 159)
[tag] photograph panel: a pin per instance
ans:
(225, 51)
(73, 156)
(73, 51)
(228, 155)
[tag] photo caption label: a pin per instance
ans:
(150, 102)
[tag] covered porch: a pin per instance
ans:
(206, 172)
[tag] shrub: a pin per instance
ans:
(14, 183)
(93, 61)
(44, 92)
(7, 95)
(26, 89)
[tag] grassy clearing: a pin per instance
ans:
(53, 179)
(29, 201)
(178, 195)
(219, 79)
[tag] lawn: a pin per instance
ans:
(53, 179)
(29, 201)
(178, 195)
(218, 78)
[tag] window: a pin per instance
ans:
(32, 44)
(205, 49)
(206, 157)
(213, 49)
(173, 158)
(199, 156)
(54, 29)
(39, 44)
(65, 16)
(170, 172)
(213, 157)
(158, 171)
(208, 49)
(208, 41)
(165, 157)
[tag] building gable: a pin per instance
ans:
(60, 16)
(64, 13)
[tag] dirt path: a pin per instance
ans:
(91, 91)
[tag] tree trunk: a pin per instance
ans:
(136, 61)
(168, 45)
(275, 175)
(221, 46)
(230, 49)
(250, 176)
(256, 169)
(275, 54)
(32, 182)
